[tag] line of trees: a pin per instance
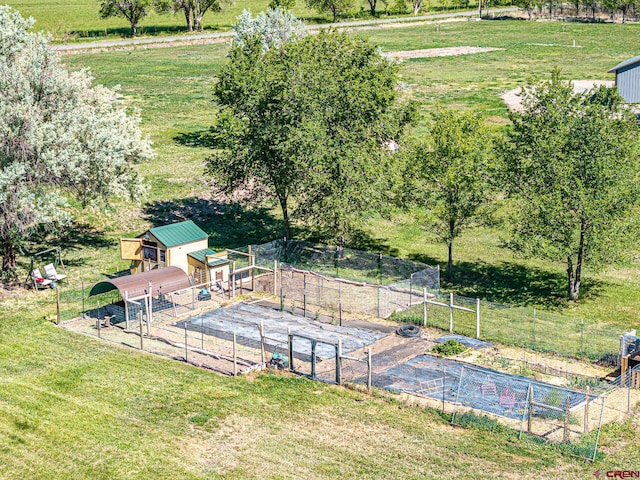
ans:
(134, 11)
(614, 9)
(316, 124)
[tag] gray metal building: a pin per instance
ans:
(628, 79)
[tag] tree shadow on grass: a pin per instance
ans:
(515, 284)
(229, 225)
(193, 139)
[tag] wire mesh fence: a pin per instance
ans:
(348, 264)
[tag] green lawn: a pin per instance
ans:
(75, 408)
(72, 407)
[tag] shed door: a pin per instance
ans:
(131, 249)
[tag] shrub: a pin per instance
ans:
(450, 347)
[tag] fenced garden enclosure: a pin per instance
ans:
(306, 317)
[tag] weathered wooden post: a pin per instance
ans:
(586, 412)
(369, 370)
(141, 338)
(424, 307)
(567, 410)
(126, 310)
(451, 312)
(313, 359)
(58, 305)
(186, 343)
(530, 406)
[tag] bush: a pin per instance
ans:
(450, 347)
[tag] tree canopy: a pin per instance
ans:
(133, 10)
(307, 124)
(448, 174)
(59, 136)
(570, 162)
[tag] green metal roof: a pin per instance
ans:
(178, 233)
(200, 255)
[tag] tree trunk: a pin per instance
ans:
(187, 14)
(286, 219)
(8, 260)
(574, 277)
(416, 6)
(134, 29)
(335, 15)
(372, 7)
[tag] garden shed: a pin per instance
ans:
(628, 79)
(183, 245)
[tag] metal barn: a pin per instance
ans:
(628, 79)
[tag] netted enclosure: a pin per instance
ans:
(349, 264)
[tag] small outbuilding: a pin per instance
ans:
(628, 79)
(183, 245)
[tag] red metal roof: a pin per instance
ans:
(163, 280)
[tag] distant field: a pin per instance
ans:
(81, 18)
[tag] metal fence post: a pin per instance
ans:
(378, 295)
(304, 294)
(201, 331)
(82, 283)
(262, 356)
(235, 357)
(99, 327)
(339, 362)
(290, 348)
(451, 312)
(477, 318)
(313, 359)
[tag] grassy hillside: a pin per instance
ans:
(72, 407)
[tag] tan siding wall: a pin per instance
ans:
(177, 256)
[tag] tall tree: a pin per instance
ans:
(305, 123)
(133, 10)
(193, 10)
(571, 166)
(59, 137)
(282, 4)
(449, 173)
(273, 28)
(334, 7)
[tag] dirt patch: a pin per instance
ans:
(513, 98)
(439, 52)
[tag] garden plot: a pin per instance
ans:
(244, 320)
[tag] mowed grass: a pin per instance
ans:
(72, 407)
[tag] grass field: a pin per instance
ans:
(75, 408)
